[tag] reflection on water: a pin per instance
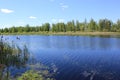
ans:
(11, 55)
(69, 42)
(76, 57)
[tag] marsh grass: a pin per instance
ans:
(77, 33)
(11, 55)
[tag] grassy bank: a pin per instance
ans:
(66, 33)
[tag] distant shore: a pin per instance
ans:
(66, 33)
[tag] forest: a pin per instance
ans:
(103, 25)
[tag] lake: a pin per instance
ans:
(76, 57)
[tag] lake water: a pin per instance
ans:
(76, 57)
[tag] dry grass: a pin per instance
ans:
(65, 33)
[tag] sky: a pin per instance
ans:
(38, 12)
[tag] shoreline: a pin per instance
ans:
(67, 33)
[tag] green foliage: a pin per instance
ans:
(11, 55)
(118, 25)
(78, 25)
(92, 25)
(46, 27)
(31, 75)
(71, 26)
(37, 72)
(104, 25)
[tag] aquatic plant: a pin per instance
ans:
(38, 71)
(33, 75)
(11, 55)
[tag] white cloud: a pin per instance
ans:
(63, 6)
(6, 11)
(32, 17)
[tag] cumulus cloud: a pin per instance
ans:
(32, 17)
(6, 11)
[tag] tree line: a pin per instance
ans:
(103, 25)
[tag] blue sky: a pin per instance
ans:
(37, 12)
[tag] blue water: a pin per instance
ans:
(76, 57)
